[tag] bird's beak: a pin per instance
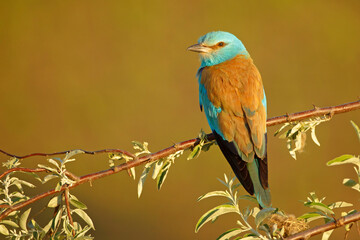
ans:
(199, 48)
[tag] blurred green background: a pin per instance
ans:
(98, 74)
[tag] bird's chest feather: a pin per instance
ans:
(230, 84)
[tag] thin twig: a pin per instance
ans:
(66, 194)
(65, 152)
(326, 227)
(170, 150)
(316, 111)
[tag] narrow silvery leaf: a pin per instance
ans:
(163, 174)
(58, 186)
(195, 152)
(47, 168)
(10, 223)
(52, 161)
(207, 146)
(157, 168)
(280, 129)
(132, 170)
(320, 206)
(226, 179)
(76, 203)
(340, 204)
(138, 145)
(72, 153)
(215, 194)
(26, 183)
(309, 217)
(344, 159)
(55, 201)
(142, 179)
(263, 214)
(357, 129)
(212, 214)
(23, 219)
(85, 217)
(231, 233)
(4, 230)
(313, 136)
(55, 220)
(49, 177)
(326, 235)
(249, 198)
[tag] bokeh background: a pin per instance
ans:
(98, 74)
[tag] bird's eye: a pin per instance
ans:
(221, 44)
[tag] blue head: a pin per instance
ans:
(218, 47)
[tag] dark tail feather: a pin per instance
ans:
(237, 164)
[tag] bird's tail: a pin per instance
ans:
(262, 195)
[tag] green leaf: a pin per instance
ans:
(58, 186)
(248, 197)
(23, 219)
(351, 183)
(76, 203)
(281, 128)
(142, 179)
(85, 217)
(215, 194)
(48, 168)
(54, 202)
(10, 223)
(231, 233)
(344, 159)
(163, 174)
(319, 206)
(207, 146)
(55, 221)
(309, 217)
(138, 145)
(212, 214)
(263, 214)
(157, 168)
(195, 152)
(340, 204)
(53, 162)
(357, 129)
(72, 153)
(4, 230)
(22, 182)
(49, 177)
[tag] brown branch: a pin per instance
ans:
(326, 227)
(65, 152)
(343, 108)
(160, 154)
(347, 107)
(66, 194)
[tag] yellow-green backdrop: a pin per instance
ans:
(98, 74)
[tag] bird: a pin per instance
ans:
(232, 95)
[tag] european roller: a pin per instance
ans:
(233, 98)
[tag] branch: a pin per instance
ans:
(158, 155)
(343, 108)
(347, 107)
(326, 227)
